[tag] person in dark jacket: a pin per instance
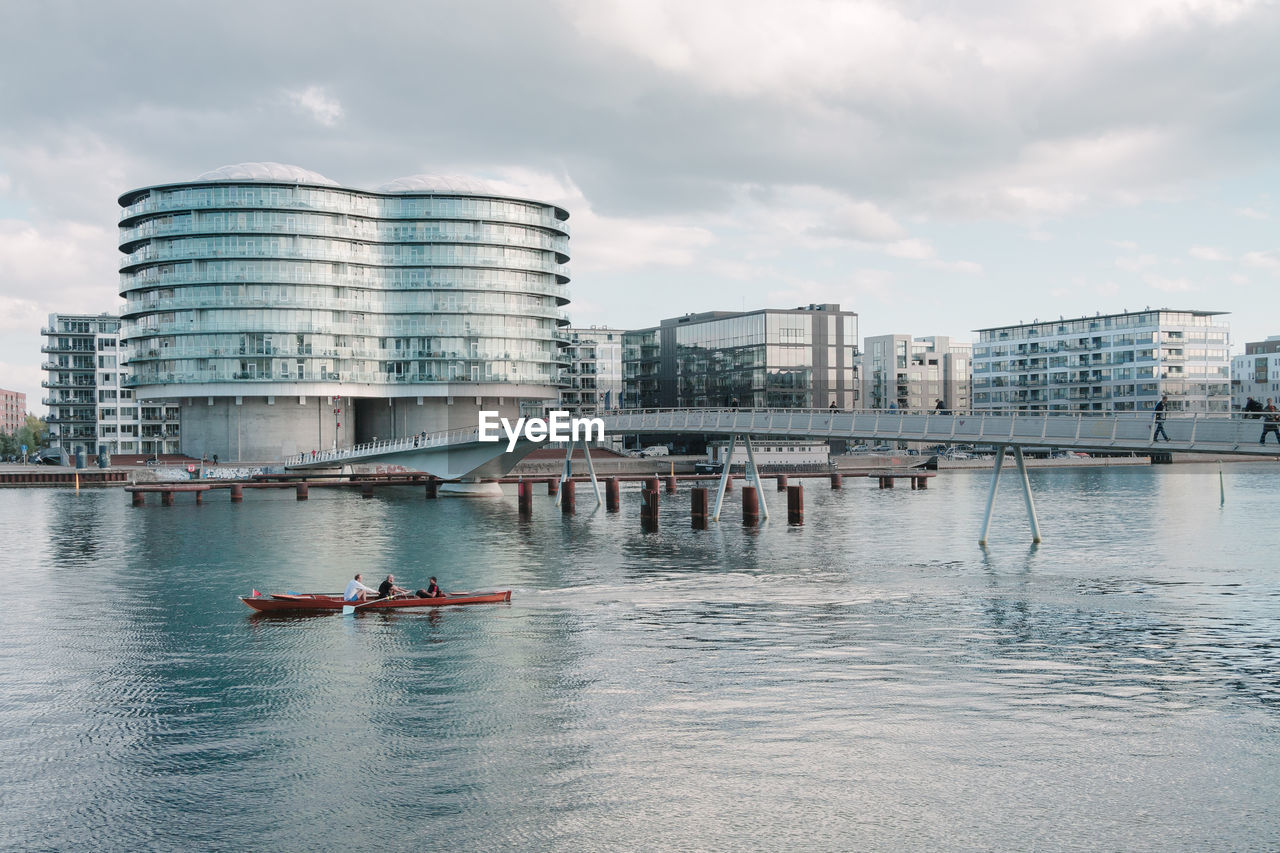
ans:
(432, 590)
(1160, 410)
(1270, 422)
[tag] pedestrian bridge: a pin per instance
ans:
(459, 454)
(1219, 434)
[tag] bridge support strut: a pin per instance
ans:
(1026, 491)
(724, 477)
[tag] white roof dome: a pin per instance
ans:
(438, 184)
(276, 173)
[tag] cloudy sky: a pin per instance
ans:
(936, 167)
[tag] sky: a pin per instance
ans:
(936, 167)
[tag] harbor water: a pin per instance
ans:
(871, 680)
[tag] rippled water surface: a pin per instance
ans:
(871, 680)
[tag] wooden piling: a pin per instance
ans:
(795, 504)
(166, 498)
(837, 481)
(139, 499)
(303, 492)
(366, 490)
(750, 507)
(524, 498)
(649, 508)
(433, 488)
(568, 502)
(698, 508)
(237, 493)
(671, 484)
(782, 482)
(552, 486)
(612, 502)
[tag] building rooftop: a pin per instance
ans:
(1018, 325)
(273, 173)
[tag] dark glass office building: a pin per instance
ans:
(771, 358)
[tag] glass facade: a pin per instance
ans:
(800, 358)
(277, 280)
(1114, 362)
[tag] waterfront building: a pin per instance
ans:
(593, 378)
(91, 406)
(1107, 362)
(284, 312)
(1256, 374)
(768, 358)
(914, 373)
(13, 411)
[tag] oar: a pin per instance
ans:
(348, 609)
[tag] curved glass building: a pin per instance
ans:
(288, 313)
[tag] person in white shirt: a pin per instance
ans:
(356, 591)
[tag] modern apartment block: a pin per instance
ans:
(903, 372)
(285, 312)
(769, 358)
(593, 379)
(13, 411)
(1256, 374)
(91, 406)
(1107, 362)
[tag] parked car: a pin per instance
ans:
(655, 450)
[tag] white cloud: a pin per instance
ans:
(1269, 261)
(60, 266)
(608, 243)
(315, 102)
(1134, 263)
(1207, 253)
(1252, 213)
(1169, 285)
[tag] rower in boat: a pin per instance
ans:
(357, 591)
(388, 588)
(432, 590)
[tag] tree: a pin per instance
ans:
(33, 434)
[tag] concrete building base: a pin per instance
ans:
(471, 490)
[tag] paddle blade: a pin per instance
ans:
(347, 610)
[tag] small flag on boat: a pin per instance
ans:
(256, 594)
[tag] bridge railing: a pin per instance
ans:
(390, 445)
(1100, 429)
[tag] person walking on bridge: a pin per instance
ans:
(1270, 422)
(1160, 410)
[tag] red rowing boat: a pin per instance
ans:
(318, 602)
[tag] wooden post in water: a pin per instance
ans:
(698, 508)
(139, 498)
(611, 498)
(166, 498)
(782, 482)
(837, 481)
(237, 493)
(524, 498)
(568, 502)
(750, 507)
(671, 484)
(433, 488)
(552, 485)
(649, 507)
(366, 490)
(303, 491)
(199, 498)
(795, 504)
